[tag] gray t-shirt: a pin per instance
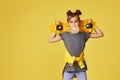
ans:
(75, 44)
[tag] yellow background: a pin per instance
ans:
(25, 53)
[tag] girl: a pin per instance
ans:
(75, 43)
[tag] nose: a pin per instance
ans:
(75, 24)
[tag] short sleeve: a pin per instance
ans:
(61, 35)
(87, 35)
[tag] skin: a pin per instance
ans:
(75, 22)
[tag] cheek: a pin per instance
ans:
(70, 24)
(78, 23)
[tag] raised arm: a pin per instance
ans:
(98, 34)
(54, 38)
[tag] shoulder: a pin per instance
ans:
(86, 35)
(64, 33)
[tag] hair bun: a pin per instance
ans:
(78, 12)
(69, 13)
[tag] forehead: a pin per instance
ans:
(73, 18)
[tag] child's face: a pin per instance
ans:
(74, 22)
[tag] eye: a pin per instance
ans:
(76, 21)
(71, 21)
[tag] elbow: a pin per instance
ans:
(100, 35)
(50, 41)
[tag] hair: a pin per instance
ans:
(71, 14)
